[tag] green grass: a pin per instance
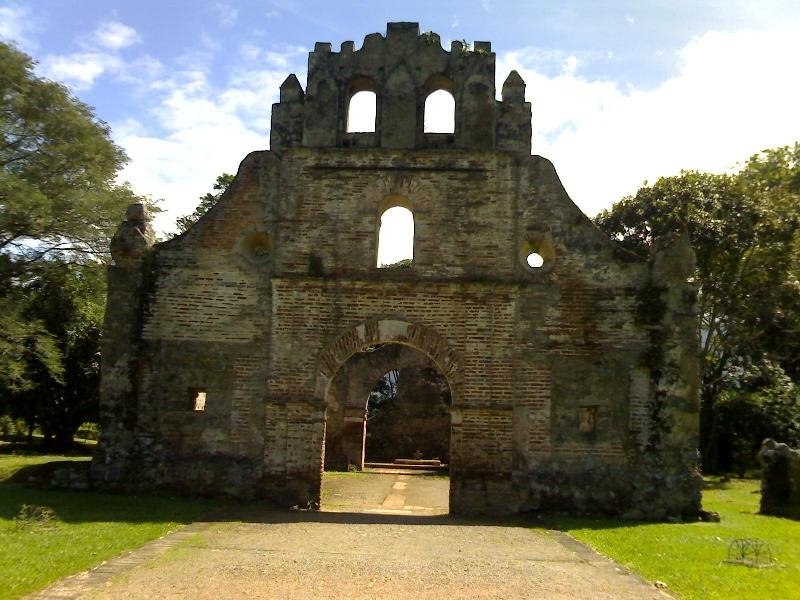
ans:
(89, 527)
(688, 556)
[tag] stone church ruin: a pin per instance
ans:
(571, 365)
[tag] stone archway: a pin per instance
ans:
(382, 331)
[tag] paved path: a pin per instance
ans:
(378, 536)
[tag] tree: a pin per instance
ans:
(206, 202)
(59, 207)
(67, 301)
(57, 171)
(383, 394)
(744, 229)
(760, 403)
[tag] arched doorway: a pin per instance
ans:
(414, 424)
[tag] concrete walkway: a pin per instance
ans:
(380, 535)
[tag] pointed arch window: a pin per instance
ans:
(396, 237)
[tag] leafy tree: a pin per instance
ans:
(745, 232)
(383, 394)
(59, 207)
(206, 202)
(57, 171)
(67, 301)
(761, 403)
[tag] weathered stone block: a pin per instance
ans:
(780, 479)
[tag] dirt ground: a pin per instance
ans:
(379, 535)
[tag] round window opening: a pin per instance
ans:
(534, 260)
(537, 254)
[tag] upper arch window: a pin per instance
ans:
(361, 112)
(440, 112)
(396, 236)
(362, 106)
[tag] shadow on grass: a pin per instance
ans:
(22, 448)
(92, 507)
(78, 506)
(43, 471)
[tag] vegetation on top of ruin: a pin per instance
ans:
(400, 264)
(206, 202)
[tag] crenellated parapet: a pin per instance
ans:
(402, 68)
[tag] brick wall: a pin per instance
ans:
(523, 350)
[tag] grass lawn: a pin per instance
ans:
(688, 557)
(89, 527)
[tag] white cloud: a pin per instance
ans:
(15, 24)
(115, 36)
(100, 55)
(733, 95)
(198, 131)
(79, 70)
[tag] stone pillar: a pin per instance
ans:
(353, 434)
(131, 252)
(321, 110)
(780, 480)
(399, 119)
(286, 130)
(675, 370)
(514, 116)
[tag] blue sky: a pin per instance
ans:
(621, 91)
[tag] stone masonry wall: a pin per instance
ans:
(574, 384)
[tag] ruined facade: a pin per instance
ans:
(574, 383)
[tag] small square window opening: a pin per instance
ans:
(587, 419)
(199, 401)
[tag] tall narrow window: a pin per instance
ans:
(440, 112)
(396, 238)
(361, 112)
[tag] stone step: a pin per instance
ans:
(440, 468)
